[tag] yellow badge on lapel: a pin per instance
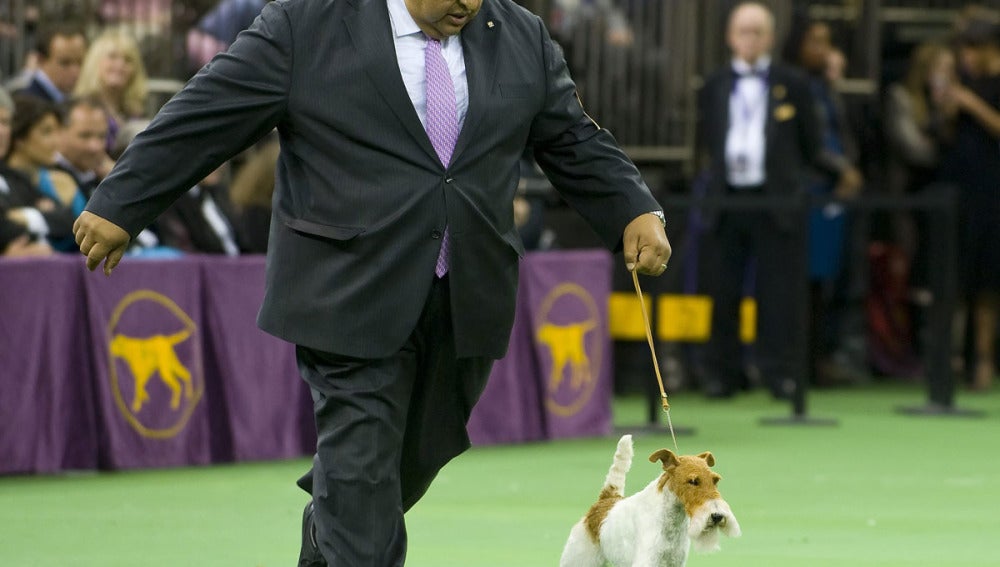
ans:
(779, 92)
(784, 112)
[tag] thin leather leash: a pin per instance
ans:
(652, 350)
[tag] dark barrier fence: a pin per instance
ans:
(939, 203)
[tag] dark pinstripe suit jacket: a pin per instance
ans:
(361, 199)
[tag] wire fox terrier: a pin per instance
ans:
(654, 527)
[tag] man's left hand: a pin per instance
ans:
(100, 240)
(646, 246)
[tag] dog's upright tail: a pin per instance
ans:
(615, 481)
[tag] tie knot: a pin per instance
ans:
(433, 44)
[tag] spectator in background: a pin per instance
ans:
(15, 237)
(920, 121)
(809, 47)
(533, 190)
(197, 222)
(973, 164)
(61, 49)
(836, 66)
(217, 29)
(113, 72)
(83, 143)
(33, 151)
(252, 189)
(569, 18)
(758, 133)
(28, 216)
(16, 242)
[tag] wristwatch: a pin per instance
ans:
(659, 215)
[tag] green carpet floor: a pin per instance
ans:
(880, 489)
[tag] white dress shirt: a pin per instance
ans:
(745, 141)
(410, 43)
(217, 221)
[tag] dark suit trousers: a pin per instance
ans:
(385, 428)
(780, 348)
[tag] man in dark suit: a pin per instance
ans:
(61, 49)
(199, 221)
(393, 258)
(83, 143)
(758, 133)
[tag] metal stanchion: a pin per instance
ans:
(940, 377)
(799, 415)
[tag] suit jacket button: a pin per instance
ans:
(436, 234)
(449, 180)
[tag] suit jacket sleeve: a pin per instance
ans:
(232, 102)
(811, 136)
(810, 126)
(702, 150)
(582, 160)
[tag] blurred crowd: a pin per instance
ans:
(81, 97)
(940, 128)
(72, 111)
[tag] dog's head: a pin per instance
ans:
(695, 484)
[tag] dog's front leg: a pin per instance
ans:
(655, 551)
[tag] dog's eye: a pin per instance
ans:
(694, 481)
(715, 480)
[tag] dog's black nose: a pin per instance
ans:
(716, 518)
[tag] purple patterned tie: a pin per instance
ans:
(441, 122)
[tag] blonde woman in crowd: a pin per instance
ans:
(920, 123)
(113, 71)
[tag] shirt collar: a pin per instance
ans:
(743, 68)
(49, 86)
(402, 22)
(81, 176)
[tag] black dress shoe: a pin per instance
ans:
(309, 555)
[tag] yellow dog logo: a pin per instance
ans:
(156, 354)
(143, 347)
(574, 347)
(566, 343)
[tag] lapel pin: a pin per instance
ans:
(489, 24)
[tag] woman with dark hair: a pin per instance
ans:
(33, 142)
(809, 47)
(32, 154)
(973, 164)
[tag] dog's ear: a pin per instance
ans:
(666, 456)
(708, 458)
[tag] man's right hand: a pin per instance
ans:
(100, 240)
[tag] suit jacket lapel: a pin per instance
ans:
(776, 92)
(723, 99)
(371, 33)
(479, 39)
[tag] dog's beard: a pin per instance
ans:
(704, 534)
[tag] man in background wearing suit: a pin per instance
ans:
(61, 49)
(758, 133)
(393, 260)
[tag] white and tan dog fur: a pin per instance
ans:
(654, 527)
